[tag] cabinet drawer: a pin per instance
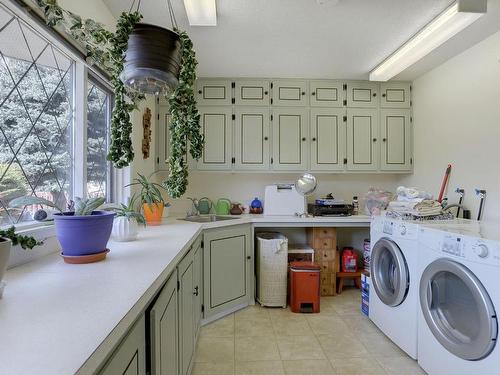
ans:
(324, 256)
(325, 233)
(323, 243)
(326, 266)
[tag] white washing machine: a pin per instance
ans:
(394, 285)
(459, 294)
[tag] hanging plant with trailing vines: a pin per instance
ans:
(185, 122)
(108, 49)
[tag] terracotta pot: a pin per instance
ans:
(153, 213)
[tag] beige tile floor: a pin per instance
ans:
(275, 341)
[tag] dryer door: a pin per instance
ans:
(458, 310)
(389, 272)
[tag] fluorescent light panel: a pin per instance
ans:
(446, 25)
(201, 12)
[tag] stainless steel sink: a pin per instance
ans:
(207, 218)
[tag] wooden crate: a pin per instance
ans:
(328, 281)
(324, 255)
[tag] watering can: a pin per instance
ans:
(223, 206)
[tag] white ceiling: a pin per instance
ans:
(303, 38)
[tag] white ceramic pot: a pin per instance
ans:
(5, 246)
(124, 229)
(166, 212)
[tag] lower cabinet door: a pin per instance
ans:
(227, 268)
(198, 286)
(185, 271)
(164, 331)
(130, 357)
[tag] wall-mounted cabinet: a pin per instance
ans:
(326, 93)
(290, 93)
(252, 92)
(217, 128)
(395, 131)
(267, 125)
(252, 138)
(290, 139)
(395, 95)
(362, 139)
(327, 133)
(213, 92)
(362, 94)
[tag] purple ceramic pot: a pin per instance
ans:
(83, 235)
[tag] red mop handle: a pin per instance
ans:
(445, 182)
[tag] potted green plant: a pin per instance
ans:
(9, 238)
(84, 231)
(127, 220)
(153, 203)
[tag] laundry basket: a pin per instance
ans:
(271, 269)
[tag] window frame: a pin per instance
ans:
(82, 72)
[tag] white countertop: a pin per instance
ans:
(57, 318)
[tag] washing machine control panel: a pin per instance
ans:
(453, 245)
(481, 250)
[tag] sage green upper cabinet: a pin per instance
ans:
(395, 95)
(186, 312)
(252, 92)
(362, 94)
(251, 142)
(290, 93)
(213, 92)
(130, 356)
(290, 139)
(396, 133)
(164, 330)
(216, 126)
(327, 139)
(227, 263)
(362, 139)
(326, 94)
(198, 286)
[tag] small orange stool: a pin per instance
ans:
(356, 276)
(304, 287)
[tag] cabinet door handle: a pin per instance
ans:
(199, 92)
(313, 93)
(303, 139)
(303, 93)
(196, 291)
(314, 139)
(384, 95)
(374, 139)
(265, 92)
(249, 257)
(374, 94)
(266, 138)
(384, 139)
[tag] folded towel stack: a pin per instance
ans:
(406, 194)
(426, 207)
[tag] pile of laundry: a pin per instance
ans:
(414, 202)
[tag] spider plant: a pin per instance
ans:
(150, 191)
(129, 211)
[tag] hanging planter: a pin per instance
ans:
(153, 60)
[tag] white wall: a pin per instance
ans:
(244, 187)
(457, 121)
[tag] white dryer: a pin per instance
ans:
(459, 296)
(394, 290)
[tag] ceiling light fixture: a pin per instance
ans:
(201, 12)
(449, 23)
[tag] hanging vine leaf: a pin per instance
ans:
(185, 123)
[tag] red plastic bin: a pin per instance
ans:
(304, 287)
